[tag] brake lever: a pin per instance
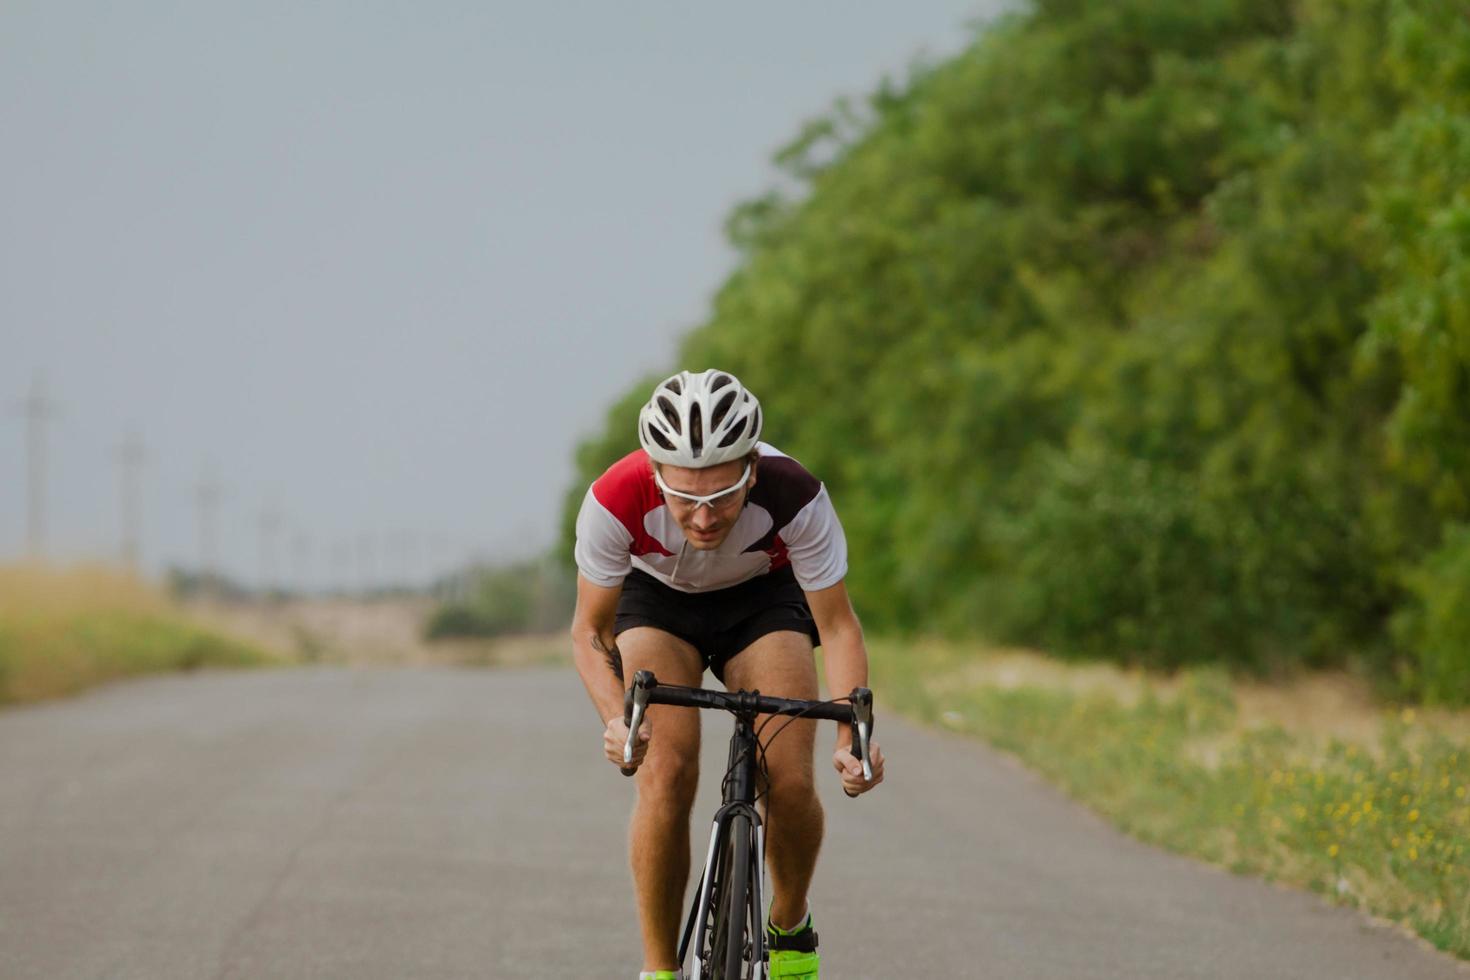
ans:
(862, 726)
(635, 704)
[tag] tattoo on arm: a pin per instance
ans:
(612, 655)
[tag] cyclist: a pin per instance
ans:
(707, 548)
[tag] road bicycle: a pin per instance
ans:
(725, 927)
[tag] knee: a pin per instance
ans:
(793, 788)
(670, 782)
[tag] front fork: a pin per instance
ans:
(698, 922)
(739, 798)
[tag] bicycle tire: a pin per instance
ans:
(738, 912)
(728, 914)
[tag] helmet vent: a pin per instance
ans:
(656, 436)
(722, 408)
(696, 430)
(720, 381)
(673, 385)
(734, 434)
(671, 413)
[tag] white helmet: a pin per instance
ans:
(699, 420)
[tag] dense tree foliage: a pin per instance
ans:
(1139, 329)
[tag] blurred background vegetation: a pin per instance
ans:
(1139, 330)
(504, 600)
(62, 630)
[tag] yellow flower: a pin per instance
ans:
(1332, 851)
(1367, 804)
(1460, 793)
(1413, 815)
(1413, 854)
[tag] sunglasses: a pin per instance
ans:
(714, 501)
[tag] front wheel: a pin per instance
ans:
(734, 942)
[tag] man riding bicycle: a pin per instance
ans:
(710, 549)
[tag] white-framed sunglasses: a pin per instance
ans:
(714, 501)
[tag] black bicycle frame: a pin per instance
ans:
(739, 797)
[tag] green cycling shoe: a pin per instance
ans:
(793, 952)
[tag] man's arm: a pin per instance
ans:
(846, 659)
(595, 652)
(595, 649)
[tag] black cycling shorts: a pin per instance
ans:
(720, 623)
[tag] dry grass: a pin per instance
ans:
(64, 629)
(33, 591)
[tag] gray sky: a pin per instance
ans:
(378, 265)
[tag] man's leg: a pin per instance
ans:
(781, 665)
(659, 836)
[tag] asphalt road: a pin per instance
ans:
(428, 824)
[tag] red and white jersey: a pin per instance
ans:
(788, 520)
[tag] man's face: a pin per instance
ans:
(706, 526)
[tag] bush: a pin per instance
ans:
(1435, 629)
(531, 597)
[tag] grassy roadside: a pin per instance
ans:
(65, 630)
(1367, 806)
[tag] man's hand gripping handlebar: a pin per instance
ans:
(646, 690)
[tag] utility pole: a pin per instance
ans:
(438, 554)
(206, 497)
(131, 456)
(301, 561)
(342, 567)
(38, 409)
(270, 527)
(367, 572)
(413, 546)
(398, 559)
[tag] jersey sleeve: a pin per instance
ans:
(816, 545)
(603, 550)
